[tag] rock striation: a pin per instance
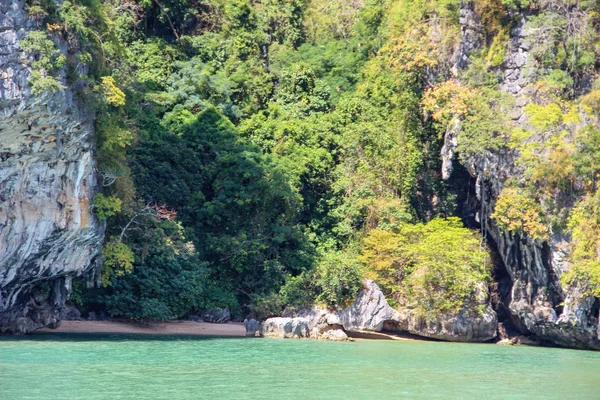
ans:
(48, 233)
(534, 301)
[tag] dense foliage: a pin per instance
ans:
(258, 155)
(434, 268)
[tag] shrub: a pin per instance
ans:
(118, 260)
(482, 113)
(337, 278)
(111, 92)
(543, 117)
(164, 280)
(106, 206)
(584, 223)
(516, 211)
(46, 61)
(433, 268)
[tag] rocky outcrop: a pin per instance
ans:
(280, 327)
(533, 300)
(464, 326)
(471, 31)
(315, 324)
(252, 327)
(69, 313)
(48, 233)
(334, 335)
(371, 312)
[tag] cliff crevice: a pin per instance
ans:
(536, 301)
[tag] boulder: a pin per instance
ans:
(70, 313)
(335, 335)
(216, 316)
(195, 318)
(333, 319)
(93, 316)
(280, 327)
(252, 327)
(369, 311)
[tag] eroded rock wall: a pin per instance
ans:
(48, 233)
(537, 303)
(371, 312)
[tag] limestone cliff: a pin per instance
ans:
(532, 299)
(48, 233)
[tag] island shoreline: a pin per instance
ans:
(188, 328)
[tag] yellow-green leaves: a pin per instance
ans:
(482, 113)
(106, 206)
(118, 260)
(112, 133)
(543, 117)
(497, 51)
(433, 268)
(516, 211)
(518, 136)
(584, 223)
(46, 61)
(111, 92)
(383, 254)
(591, 101)
(447, 100)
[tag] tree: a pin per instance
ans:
(433, 268)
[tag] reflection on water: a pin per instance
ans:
(161, 367)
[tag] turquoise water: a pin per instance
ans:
(142, 367)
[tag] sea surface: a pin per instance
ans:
(83, 366)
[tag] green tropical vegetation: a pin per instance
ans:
(262, 155)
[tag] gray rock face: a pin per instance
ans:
(536, 302)
(465, 326)
(280, 327)
(48, 232)
(371, 312)
(335, 335)
(448, 149)
(471, 34)
(252, 327)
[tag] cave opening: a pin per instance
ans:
(462, 185)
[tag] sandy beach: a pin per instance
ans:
(154, 328)
(231, 329)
